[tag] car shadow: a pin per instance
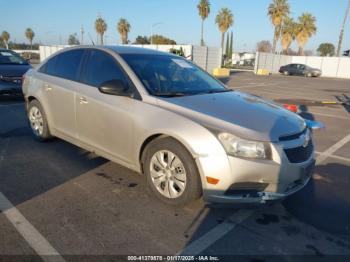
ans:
(29, 168)
(345, 99)
(325, 202)
(304, 113)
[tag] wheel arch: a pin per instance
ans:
(157, 135)
(30, 99)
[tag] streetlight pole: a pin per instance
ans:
(82, 35)
(342, 29)
(153, 25)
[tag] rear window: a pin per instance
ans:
(8, 57)
(65, 65)
(49, 67)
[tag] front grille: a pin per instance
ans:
(299, 154)
(11, 79)
(292, 137)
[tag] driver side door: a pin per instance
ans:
(104, 121)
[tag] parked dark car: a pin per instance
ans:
(300, 69)
(12, 69)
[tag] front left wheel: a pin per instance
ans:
(171, 172)
(37, 121)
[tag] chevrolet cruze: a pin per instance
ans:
(164, 117)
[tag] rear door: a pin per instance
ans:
(104, 121)
(292, 69)
(59, 86)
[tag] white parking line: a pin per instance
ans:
(329, 115)
(40, 245)
(335, 156)
(205, 241)
(329, 152)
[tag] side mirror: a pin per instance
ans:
(114, 87)
(314, 125)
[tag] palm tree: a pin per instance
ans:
(123, 29)
(204, 10)
(342, 29)
(287, 34)
(278, 10)
(30, 36)
(100, 27)
(224, 20)
(5, 36)
(305, 28)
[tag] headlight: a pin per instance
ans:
(239, 147)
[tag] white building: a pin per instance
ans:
(243, 58)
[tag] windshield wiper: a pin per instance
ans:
(218, 91)
(170, 94)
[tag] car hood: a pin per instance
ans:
(14, 70)
(241, 114)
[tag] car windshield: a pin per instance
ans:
(164, 75)
(11, 58)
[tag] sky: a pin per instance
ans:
(54, 20)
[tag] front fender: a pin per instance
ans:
(198, 140)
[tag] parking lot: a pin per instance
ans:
(57, 199)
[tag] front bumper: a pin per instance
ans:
(279, 177)
(10, 89)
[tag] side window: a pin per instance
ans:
(49, 67)
(101, 67)
(67, 64)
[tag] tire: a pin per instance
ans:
(38, 121)
(178, 182)
(286, 73)
(308, 74)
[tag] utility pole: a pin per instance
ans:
(153, 25)
(82, 35)
(342, 29)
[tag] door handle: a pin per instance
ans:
(47, 87)
(82, 100)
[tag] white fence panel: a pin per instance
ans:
(213, 59)
(314, 61)
(47, 50)
(330, 66)
(299, 59)
(344, 67)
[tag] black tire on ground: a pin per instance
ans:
(45, 135)
(193, 188)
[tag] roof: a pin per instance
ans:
(135, 50)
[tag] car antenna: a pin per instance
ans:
(92, 41)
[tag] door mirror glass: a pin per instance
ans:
(114, 87)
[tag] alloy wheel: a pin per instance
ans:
(36, 120)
